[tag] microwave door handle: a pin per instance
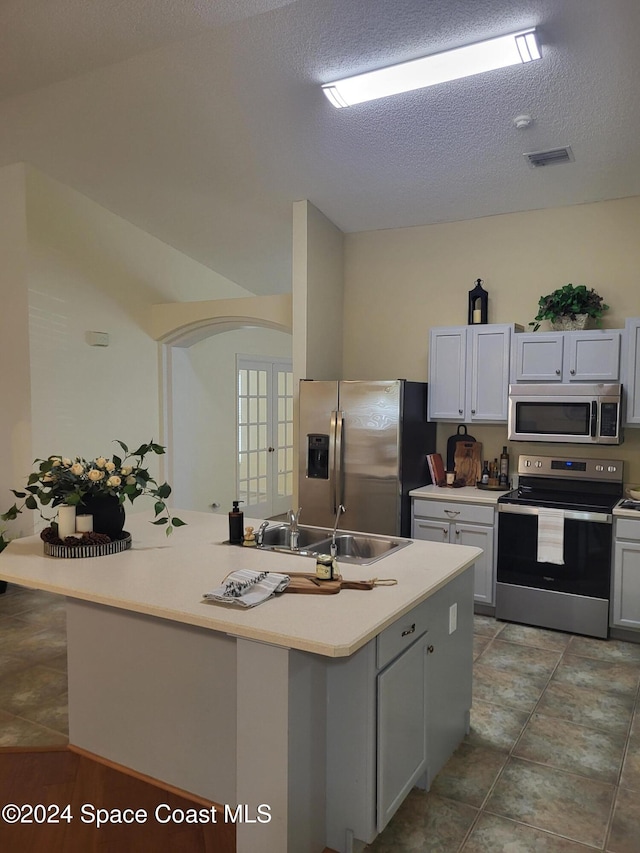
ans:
(594, 418)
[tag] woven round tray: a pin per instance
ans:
(71, 551)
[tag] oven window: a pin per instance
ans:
(587, 556)
(553, 418)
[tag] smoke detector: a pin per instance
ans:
(522, 122)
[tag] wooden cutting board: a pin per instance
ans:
(468, 461)
(311, 585)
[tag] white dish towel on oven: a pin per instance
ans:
(550, 536)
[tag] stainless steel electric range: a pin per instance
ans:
(555, 536)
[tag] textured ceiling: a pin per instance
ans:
(203, 121)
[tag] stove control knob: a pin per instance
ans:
(611, 469)
(599, 467)
(527, 463)
(538, 464)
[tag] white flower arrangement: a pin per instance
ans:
(62, 480)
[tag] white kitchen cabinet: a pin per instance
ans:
(397, 709)
(469, 371)
(402, 734)
(631, 371)
(588, 356)
(625, 593)
(461, 524)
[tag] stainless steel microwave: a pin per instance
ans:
(576, 414)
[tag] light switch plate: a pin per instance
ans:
(453, 617)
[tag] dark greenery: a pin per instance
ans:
(60, 480)
(568, 301)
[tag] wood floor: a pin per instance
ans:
(57, 776)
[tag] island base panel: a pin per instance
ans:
(154, 695)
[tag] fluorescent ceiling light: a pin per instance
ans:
(500, 52)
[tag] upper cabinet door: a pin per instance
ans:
(490, 357)
(593, 356)
(469, 369)
(590, 356)
(539, 357)
(631, 370)
(447, 373)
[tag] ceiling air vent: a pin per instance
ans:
(550, 157)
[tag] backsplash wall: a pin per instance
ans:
(494, 438)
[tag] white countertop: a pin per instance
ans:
(467, 494)
(167, 576)
(621, 512)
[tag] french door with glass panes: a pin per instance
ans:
(265, 435)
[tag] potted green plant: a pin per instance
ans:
(569, 308)
(95, 486)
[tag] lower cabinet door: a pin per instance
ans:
(626, 585)
(402, 735)
(480, 537)
(430, 530)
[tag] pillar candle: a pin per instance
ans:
(66, 521)
(84, 523)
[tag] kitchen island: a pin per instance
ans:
(315, 714)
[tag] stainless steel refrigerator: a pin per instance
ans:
(363, 445)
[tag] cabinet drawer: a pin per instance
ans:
(628, 528)
(399, 636)
(453, 511)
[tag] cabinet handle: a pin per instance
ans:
(557, 373)
(430, 649)
(473, 411)
(408, 631)
(445, 532)
(457, 533)
(572, 372)
(452, 513)
(459, 411)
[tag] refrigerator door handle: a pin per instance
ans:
(337, 479)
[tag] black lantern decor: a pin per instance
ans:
(478, 304)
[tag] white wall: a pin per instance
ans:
(15, 415)
(204, 413)
(401, 282)
(69, 266)
(318, 283)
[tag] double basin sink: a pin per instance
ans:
(359, 548)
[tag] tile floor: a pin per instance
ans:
(552, 762)
(551, 765)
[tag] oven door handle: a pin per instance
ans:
(569, 514)
(594, 418)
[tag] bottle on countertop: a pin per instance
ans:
(236, 524)
(485, 474)
(504, 467)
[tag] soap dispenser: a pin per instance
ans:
(236, 524)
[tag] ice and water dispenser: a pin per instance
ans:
(318, 456)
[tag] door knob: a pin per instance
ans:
(270, 449)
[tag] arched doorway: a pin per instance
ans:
(199, 368)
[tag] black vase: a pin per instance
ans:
(108, 514)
